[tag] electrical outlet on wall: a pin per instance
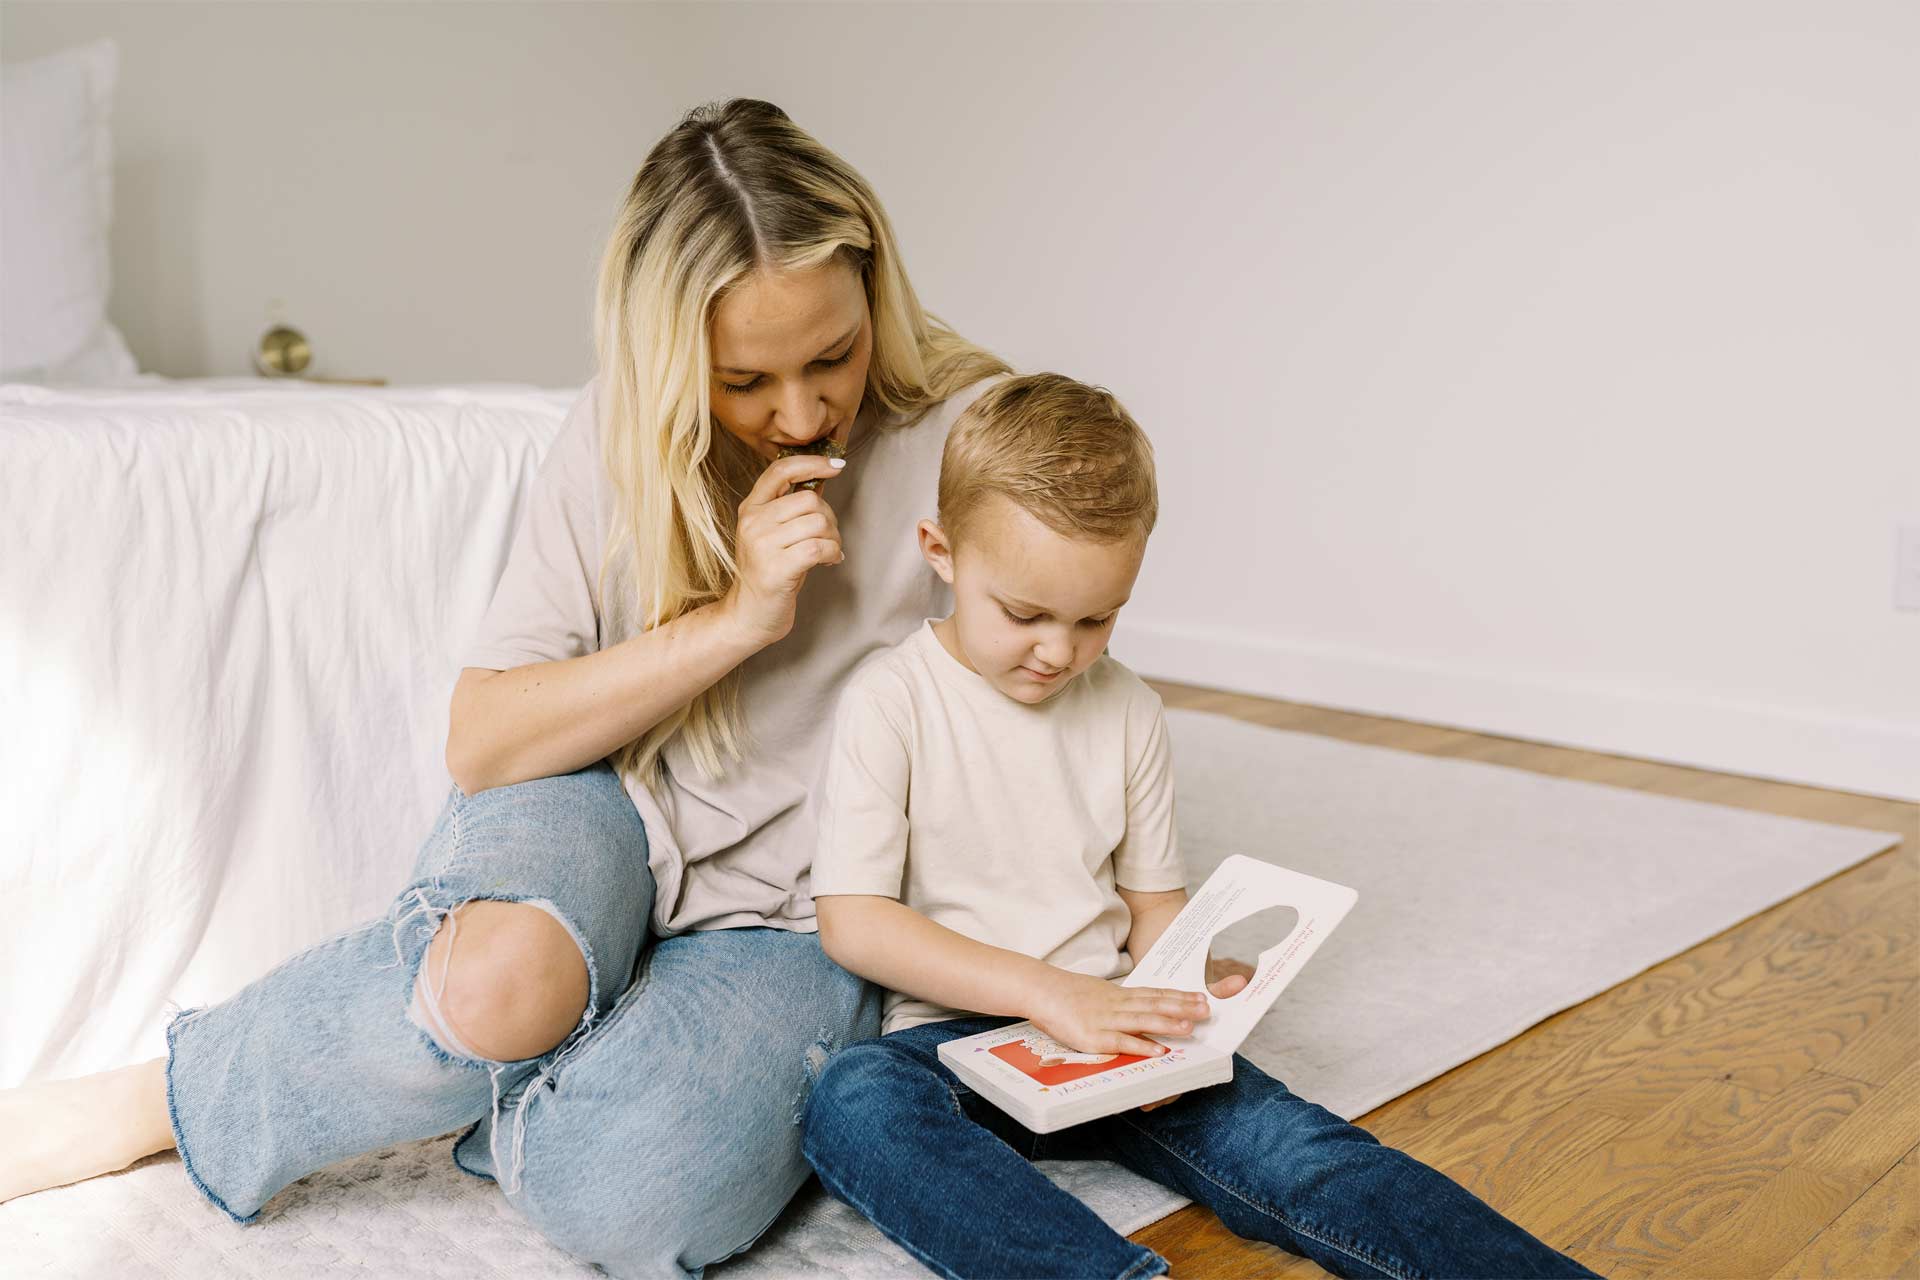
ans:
(1906, 566)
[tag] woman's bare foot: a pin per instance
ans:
(66, 1130)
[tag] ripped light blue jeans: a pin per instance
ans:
(660, 1136)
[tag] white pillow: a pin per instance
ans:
(56, 201)
(102, 362)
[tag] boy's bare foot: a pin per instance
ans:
(66, 1130)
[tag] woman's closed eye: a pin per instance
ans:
(741, 388)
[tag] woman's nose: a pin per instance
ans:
(803, 414)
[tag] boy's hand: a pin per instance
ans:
(1226, 978)
(1092, 1015)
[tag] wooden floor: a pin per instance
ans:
(1750, 1108)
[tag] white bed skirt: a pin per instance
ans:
(230, 617)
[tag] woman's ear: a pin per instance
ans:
(937, 550)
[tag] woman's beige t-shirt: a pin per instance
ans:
(737, 850)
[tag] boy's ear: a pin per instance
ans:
(937, 550)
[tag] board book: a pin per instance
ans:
(1047, 1086)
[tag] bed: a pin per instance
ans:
(230, 613)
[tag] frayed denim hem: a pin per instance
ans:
(466, 1133)
(179, 1138)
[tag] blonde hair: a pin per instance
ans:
(736, 187)
(1066, 453)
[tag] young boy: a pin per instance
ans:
(999, 840)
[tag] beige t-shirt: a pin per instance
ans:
(1007, 822)
(735, 851)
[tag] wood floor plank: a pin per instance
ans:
(1873, 1139)
(1879, 1235)
(1769, 1227)
(1612, 771)
(1801, 1200)
(1773, 1020)
(1663, 1182)
(1499, 1162)
(1201, 1248)
(1874, 887)
(1883, 1049)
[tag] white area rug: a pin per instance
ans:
(1490, 898)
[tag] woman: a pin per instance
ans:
(635, 740)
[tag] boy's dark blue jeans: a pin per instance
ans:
(948, 1176)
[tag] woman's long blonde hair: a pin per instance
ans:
(734, 188)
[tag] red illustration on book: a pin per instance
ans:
(1050, 1062)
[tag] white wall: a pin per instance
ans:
(1533, 367)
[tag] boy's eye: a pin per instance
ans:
(1085, 622)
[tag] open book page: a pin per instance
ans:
(1299, 910)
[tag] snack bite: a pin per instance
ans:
(824, 447)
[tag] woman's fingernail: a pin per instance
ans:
(836, 463)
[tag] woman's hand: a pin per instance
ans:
(1092, 1015)
(782, 533)
(1225, 978)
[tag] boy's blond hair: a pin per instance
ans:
(1066, 453)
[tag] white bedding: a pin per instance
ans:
(229, 617)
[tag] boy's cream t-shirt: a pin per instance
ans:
(734, 851)
(1009, 823)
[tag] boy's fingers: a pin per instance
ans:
(1165, 994)
(1134, 1045)
(1180, 1004)
(1225, 966)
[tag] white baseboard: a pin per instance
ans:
(1872, 757)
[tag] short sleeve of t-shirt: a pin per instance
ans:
(546, 605)
(863, 816)
(1148, 857)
